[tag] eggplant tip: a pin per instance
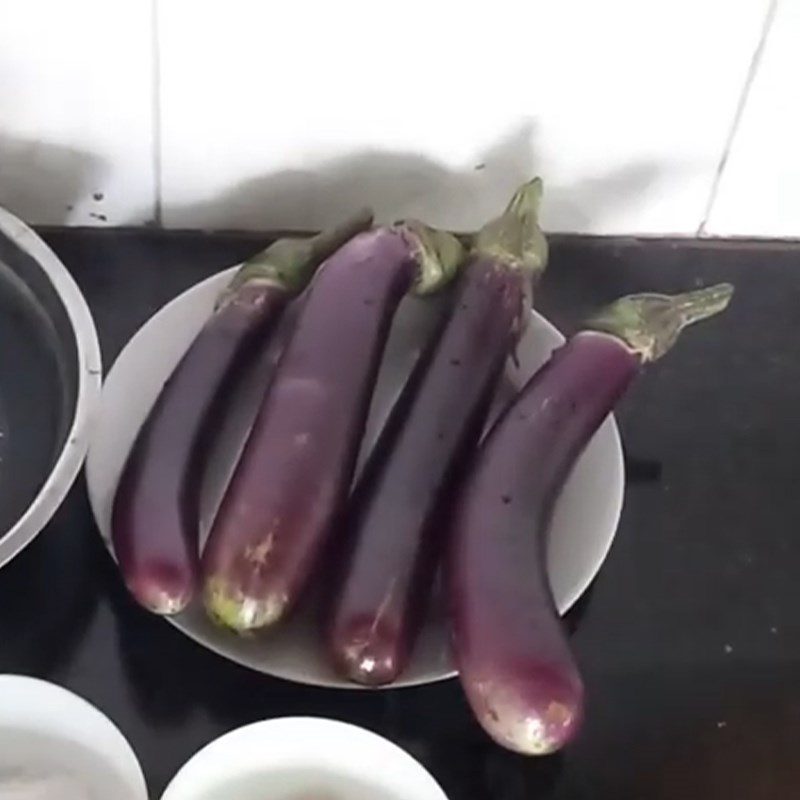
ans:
(241, 613)
(164, 604)
(534, 719)
(363, 653)
(367, 669)
(153, 596)
(537, 735)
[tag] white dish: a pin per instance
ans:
(583, 527)
(46, 292)
(302, 758)
(46, 731)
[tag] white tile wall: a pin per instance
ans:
(759, 191)
(281, 114)
(252, 114)
(76, 119)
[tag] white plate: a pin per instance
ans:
(302, 757)
(583, 526)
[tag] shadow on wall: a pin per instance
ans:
(51, 184)
(45, 183)
(403, 185)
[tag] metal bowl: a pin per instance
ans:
(50, 374)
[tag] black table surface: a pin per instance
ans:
(689, 638)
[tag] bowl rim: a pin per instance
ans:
(234, 749)
(42, 706)
(89, 378)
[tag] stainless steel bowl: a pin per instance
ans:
(50, 374)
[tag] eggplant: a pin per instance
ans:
(390, 558)
(154, 524)
(510, 648)
(288, 487)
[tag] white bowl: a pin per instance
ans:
(50, 373)
(583, 526)
(302, 758)
(46, 731)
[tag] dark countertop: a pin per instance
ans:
(689, 638)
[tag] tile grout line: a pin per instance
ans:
(158, 216)
(755, 63)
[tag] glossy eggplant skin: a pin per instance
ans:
(393, 540)
(288, 487)
(511, 650)
(155, 512)
(154, 525)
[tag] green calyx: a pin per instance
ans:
(649, 324)
(290, 263)
(515, 237)
(438, 255)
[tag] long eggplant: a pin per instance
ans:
(155, 511)
(294, 473)
(393, 539)
(511, 650)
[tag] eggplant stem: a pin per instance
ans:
(649, 324)
(289, 263)
(438, 255)
(515, 238)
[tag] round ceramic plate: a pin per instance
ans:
(583, 526)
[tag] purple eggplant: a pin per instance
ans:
(511, 650)
(294, 473)
(393, 540)
(155, 512)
